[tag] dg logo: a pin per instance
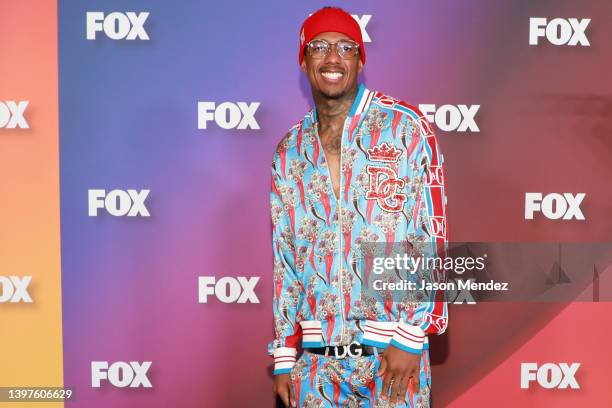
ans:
(382, 187)
(437, 226)
(352, 350)
(434, 176)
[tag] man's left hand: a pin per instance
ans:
(398, 368)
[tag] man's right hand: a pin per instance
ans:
(284, 389)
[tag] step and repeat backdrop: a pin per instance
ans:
(136, 140)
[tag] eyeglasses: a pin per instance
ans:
(320, 48)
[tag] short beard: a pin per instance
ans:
(334, 96)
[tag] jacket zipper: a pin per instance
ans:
(340, 251)
(339, 210)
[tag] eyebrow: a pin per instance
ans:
(327, 41)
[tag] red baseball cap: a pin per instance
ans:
(331, 19)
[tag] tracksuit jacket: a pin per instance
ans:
(391, 190)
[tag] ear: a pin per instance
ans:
(303, 64)
(360, 66)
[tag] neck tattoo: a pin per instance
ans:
(332, 144)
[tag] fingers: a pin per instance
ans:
(384, 393)
(291, 393)
(415, 381)
(284, 390)
(399, 383)
(382, 368)
(403, 386)
(283, 393)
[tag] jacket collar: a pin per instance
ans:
(360, 104)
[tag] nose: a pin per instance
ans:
(332, 56)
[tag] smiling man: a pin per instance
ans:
(360, 167)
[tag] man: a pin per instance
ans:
(359, 167)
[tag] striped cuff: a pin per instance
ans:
(378, 334)
(312, 334)
(408, 338)
(284, 360)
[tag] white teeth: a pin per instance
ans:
(332, 75)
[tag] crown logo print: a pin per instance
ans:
(384, 153)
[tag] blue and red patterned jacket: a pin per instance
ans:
(391, 190)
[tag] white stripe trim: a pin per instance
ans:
(284, 356)
(381, 325)
(383, 332)
(285, 360)
(410, 336)
(285, 352)
(364, 97)
(311, 331)
(310, 324)
(369, 100)
(287, 355)
(280, 366)
(380, 332)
